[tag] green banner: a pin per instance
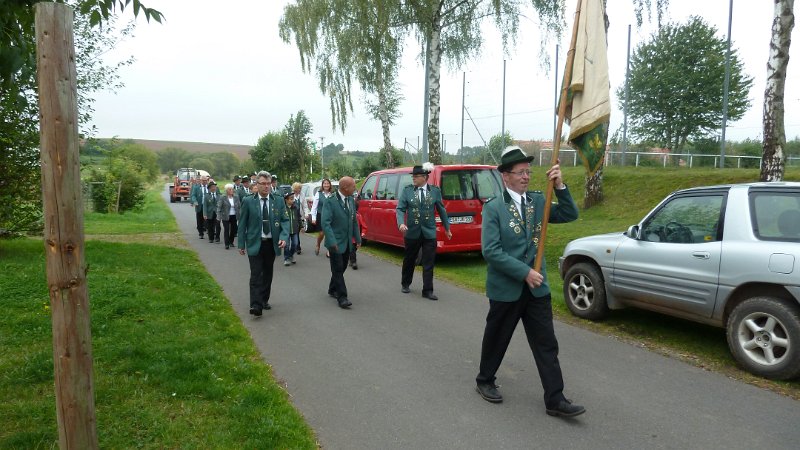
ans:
(592, 147)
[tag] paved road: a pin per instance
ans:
(397, 371)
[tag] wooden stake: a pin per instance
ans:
(63, 232)
(562, 111)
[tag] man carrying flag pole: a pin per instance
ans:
(514, 228)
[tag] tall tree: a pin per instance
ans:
(343, 40)
(676, 80)
(298, 142)
(450, 31)
(773, 159)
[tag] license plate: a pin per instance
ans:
(461, 219)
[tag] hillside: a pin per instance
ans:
(196, 147)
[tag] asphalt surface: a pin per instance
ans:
(398, 370)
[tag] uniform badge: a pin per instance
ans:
(517, 230)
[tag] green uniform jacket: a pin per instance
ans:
(421, 220)
(242, 193)
(250, 223)
(509, 246)
(210, 204)
(340, 227)
(196, 197)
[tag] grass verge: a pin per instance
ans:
(173, 365)
(153, 217)
(630, 193)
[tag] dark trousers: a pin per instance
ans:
(353, 255)
(213, 227)
(537, 318)
(412, 247)
(230, 229)
(261, 267)
(201, 223)
(338, 265)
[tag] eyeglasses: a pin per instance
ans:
(521, 172)
(264, 183)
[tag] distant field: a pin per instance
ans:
(195, 147)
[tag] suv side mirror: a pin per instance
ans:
(633, 232)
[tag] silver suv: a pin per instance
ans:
(728, 256)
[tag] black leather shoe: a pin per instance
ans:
(255, 311)
(430, 296)
(333, 294)
(354, 266)
(565, 408)
(405, 290)
(344, 303)
(216, 240)
(201, 236)
(489, 393)
(267, 306)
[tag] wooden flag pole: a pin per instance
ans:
(63, 227)
(562, 110)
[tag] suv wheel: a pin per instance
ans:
(584, 291)
(764, 337)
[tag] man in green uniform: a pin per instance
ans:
(263, 232)
(342, 236)
(510, 234)
(418, 202)
(196, 198)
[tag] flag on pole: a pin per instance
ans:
(588, 103)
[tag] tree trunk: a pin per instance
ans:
(773, 158)
(383, 112)
(434, 91)
(63, 231)
(594, 189)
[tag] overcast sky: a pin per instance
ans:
(218, 72)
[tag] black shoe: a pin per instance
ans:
(344, 303)
(267, 306)
(489, 393)
(201, 236)
(405, 290)
(210, 241)
(217, 240)
(430, 296)
(333, 294)
(354, 266)
(299, 252)
(227, 246)
(565, 408)
(255, 311)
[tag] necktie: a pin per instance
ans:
(522, 203)
(265, 216)
(422, 195)
(344, 203)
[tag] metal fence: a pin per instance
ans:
(570, 157)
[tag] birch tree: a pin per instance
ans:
(343, 40)
(773, 158)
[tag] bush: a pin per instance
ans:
(118, 176)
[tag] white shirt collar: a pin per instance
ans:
(517, 199)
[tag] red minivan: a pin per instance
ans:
(465, 188)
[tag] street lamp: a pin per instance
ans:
(322, 155)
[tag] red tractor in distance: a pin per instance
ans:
(182, 185)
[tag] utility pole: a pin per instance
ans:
(463, 97)
(503, 126)
(725, 89)
(627, 91)
(63, 231)
(322, 156)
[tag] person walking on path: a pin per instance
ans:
(228, 208)
(245, 189)
(294, 228)
(509, 240)
(341, 236)
(263, 231)
(196, 197)
(416, 220)
(302, 207)
(210, 213)
(325, 191)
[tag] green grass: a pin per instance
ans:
(153, 217)
(173, 365)
(630, 193)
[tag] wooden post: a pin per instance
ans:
(63, 231)
(562, 111)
